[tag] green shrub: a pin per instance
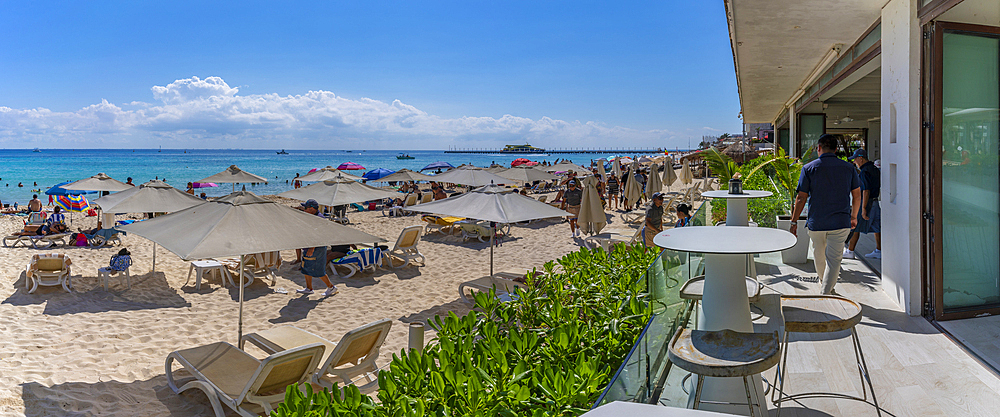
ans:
(549, 352)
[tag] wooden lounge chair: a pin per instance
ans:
(406, 246)
(48, 269)
(351, 361)
(230, 376)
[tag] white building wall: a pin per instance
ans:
(900, 153)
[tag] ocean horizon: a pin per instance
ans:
(38, 171)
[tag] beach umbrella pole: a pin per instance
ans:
(493, 233)
(154, 258)
(239, 282)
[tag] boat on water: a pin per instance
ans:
(404, 156)
(282, 152)
(36, 150)
(526, 148)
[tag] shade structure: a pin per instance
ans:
(471, 177)
(350, 166)
(669, 175)
(491, 203)
(239, 224)
(633, 191)
(654, 184)
(741, 152)
(592, 218)
(327, 173)
(377, 174)
(153, 196)
(616, 167)
(233, 175)
(437, 165)
(567, 166)
(526, 174)
(497, 169)
(73, 203)
(600, 169)
(59, 190)
(338, 192)
(686, 176)
(407, 175)
(99, 182)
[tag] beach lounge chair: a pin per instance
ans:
(351, 361)
(105, 237)
(426, 197)
(480, 231)
(406, 246)
(230, 376)
(543, 198)
(411, 200)
(36, 241)
(258, 265)
(48, 269)
(444, 225)
(357, 261)
(607, 240)
(503, 282)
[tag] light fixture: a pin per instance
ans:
(831, 55)
(847, 119)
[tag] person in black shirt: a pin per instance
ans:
(870, 215)
(571, 203)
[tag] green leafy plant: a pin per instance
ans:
(548, 352)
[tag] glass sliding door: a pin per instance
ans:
(969, 140)
(811, 127)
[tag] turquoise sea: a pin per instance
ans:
(178, 167)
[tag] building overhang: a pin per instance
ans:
(779, 45)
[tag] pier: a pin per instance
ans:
(627, 151)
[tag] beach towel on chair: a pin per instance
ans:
(363, 258)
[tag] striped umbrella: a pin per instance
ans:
(73, 203)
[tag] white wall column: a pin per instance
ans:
(900, 153)
(793, 133)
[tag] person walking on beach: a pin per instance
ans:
(613, 191)
(833, 190)
(35, 204)
(571, 203)
(654, 220)
(314, 260)
(870, 219)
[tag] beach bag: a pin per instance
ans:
(121, 260)
(81, 239)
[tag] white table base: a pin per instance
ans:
(737, 213)
(724, 305)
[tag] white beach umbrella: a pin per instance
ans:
(474, 177)
(234, 175)
(567, 166)
(686, 176)
(338, 192)
(329, 173)
(600, 169)
(153, 196)
(240, 224)
(526, 174)
(653, 184)
(491, 203)
(592, 218)
(669, 175)
(633, 191)
(616, 168)
(406, 175)
(99, 182)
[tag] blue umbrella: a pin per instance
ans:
(438, 164)
(58, 190)
(377, 174)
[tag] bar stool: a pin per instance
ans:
(694, 289)
(725, 354)
(821, 314)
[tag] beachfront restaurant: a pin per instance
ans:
(916, 83)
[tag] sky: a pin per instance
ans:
(365, 75)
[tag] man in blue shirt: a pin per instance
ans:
(870, 215)
(833, 191)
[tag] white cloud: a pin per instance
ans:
(196, 112)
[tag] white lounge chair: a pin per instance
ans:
(36, 241)
(472, 230)
(258, 265)
(230, 376)
(426, 197)
(351, 361)
(358, 261)
(48, 269)
(411, 200)
(406, 246)
(503, 282)
(607, 240)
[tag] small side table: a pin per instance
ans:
(104, 275)
(204, 266)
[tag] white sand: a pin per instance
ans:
(92, 352)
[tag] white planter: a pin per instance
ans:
(799, 253)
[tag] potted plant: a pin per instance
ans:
(785, 181)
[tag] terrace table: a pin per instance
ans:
(736, 204)
(724, 302)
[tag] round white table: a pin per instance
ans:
(724, 302)
(736, 204)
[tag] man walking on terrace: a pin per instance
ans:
(833, 190)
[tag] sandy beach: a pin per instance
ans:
(97, 352)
